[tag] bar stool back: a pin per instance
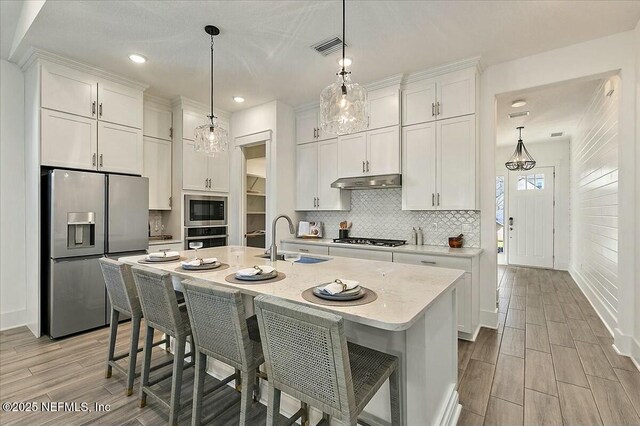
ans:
(162, 312)
(222, 331)
(308, 357)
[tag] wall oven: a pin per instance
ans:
(209, 236)
(203, 210)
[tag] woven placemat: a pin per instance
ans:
(369, 297)
(231, 278)
(148, 262)
(222, 267)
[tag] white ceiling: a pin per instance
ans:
(9, 12)
(555, 108)
(263, 52)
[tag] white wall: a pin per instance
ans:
(594, 201)
(551, 154)
(615, 53)
(12, 198)
(636, 340)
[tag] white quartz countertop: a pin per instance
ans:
(404, 291)
(407, 248)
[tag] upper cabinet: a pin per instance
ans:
(308, 127)
(375, 152)
(68, 140)
(119, 148)
(119, 104)
(157, 121)
(68, 90)
(190, 121)
(446, 96)
(158, 131)
(384, 107)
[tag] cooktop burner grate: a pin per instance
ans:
(370, 241)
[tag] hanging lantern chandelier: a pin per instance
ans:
(210, 138)
(521, 159)
(343, 104)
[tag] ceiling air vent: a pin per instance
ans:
(556, 134)
(518, 114)
(327, 47)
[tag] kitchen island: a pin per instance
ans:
(414, 318)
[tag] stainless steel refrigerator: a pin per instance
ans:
(87, 216)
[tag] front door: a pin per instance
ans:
(530, 222)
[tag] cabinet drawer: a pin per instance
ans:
(306, 248)
(430, 260)
(169, 247)
(361, 254)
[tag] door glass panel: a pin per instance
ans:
(530, 182)
(500, 212)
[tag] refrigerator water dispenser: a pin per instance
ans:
(81, 229)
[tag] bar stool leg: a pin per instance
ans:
(198, 388)
(246, 395)
(176, 384)
(273, 405)
(133, 354)
(113, 332)
(304, 420)
(396, 413)
(146, 365)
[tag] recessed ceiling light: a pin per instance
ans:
(238, 99)
(347, 62)
(138, 59)
(518, 103)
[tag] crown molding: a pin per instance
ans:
(33, 54)
(156, 100)
(393, 80)
(444, 69)
(199, 106)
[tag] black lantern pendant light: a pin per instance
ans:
(521, 159)
(210, 138)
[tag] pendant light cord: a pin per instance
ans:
(211, 75)
(343, 33)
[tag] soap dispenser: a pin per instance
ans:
(414, 236)
(420, 239)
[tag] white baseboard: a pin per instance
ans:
(634, 352)
(607, 317)
(13, 319)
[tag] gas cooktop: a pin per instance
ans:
(370, 241)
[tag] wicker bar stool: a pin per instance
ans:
(124, 300)
(162, 312)
(308, 357)
(222, 331)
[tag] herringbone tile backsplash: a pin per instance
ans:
(377, 213)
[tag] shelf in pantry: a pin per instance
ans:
(257, 194)
(256, 234)
(256, 176)
(256, 212)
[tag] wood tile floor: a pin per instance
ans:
(549, 363)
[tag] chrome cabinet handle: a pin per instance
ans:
(100, 109)
(206, 182)
(363, 167)
(100, 160)
(318, 202)
(93, 108)
(433, 199)
(367, 165)
(314, 201)
(438, 108)
(428, 262)
(438, 198)
(303, 250)
(433, 109)
(93, 159)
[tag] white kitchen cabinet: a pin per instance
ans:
(361, 253)
(119, 104)
(317, 169)
(157, 167)
(195, 173)
(120, 148)
(157, 122)
(456, 157)
(308, 127)
(67, 90)
(218, 172)
(419, 166)
(439, 165)
(384, 107)
(156, 246)
(442, 97)
(68, 140)
(352, 155)
(383, 151)
(307, 176)
(305, 248)
(190, 121)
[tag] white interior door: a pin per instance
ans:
(530, 222)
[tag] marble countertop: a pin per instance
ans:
(407, 248)
(404, 291)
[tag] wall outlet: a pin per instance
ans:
(466, 228)
(434, 226)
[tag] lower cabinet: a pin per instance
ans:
(168, 247)
(157, 167)
(306, 248)
(361, 253)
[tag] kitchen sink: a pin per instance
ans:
(303, 258)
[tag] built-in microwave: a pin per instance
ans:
(203, 210)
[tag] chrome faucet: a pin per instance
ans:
(274, 248)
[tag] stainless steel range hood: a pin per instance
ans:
(369, 182)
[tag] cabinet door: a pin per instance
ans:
(419, 166)
(386, 256)
(352, 155)
(191, 120)
(195, 172)
(157, 122)
(218, 172)
(157, 167)
(68, 140)
(384, 108)
(457, 94)
(119, 149)
(306, 176)
(306, 126)
(120, 104)
(383, 151)
(330, 198)
(463, 297)
(418, 103)
(456, 154)
(68, 90)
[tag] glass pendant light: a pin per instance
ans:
(521, 159)
(210, 138)
(343, 104)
